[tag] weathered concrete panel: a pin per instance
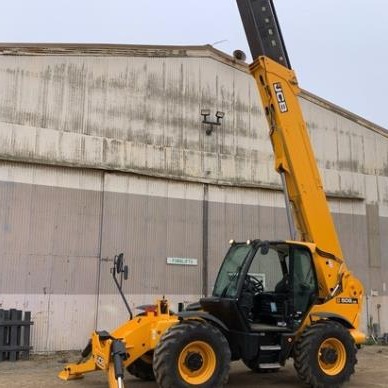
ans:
(373, 235)
(148, 228)
(383, 287)
(44, 220)
(142, 114)
(121, 102)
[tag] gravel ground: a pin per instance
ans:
(41, 371)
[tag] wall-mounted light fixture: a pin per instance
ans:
(206, 113)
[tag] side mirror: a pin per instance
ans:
(125, 270)
(118, 263)
(120, 268)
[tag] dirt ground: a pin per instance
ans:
(41, 371)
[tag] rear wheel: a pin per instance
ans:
(325, 355)
(142, 367)
(192, 354)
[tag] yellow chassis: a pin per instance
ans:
(139, 335)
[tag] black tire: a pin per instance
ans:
(253, 365)
(142, 367)
(192, 354)
(325, 355)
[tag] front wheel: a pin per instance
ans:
(192, 354)
(325, 355)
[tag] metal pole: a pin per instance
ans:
(290, 219)
(205, 239)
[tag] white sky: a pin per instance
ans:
(339, 48)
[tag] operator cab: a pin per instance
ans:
(264, 286)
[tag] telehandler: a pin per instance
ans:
(272, 300)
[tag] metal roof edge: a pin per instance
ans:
(107, 49)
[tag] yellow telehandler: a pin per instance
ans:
(272, 300)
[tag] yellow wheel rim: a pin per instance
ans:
(332, 356)
(197, 363)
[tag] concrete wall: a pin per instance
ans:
(102, 150)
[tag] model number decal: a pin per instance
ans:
(280, 97)
(347, 300)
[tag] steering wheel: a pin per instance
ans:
(254, 285)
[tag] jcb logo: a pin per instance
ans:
(280, 97)
(100, 362)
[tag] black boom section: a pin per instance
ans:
(263, 31)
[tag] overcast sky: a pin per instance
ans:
(339, 48)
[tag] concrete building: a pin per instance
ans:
(103, 150)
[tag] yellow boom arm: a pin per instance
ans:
(294, 157)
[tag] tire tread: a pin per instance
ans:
(163, 355)
(303, 354)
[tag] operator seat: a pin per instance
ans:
(283, 286)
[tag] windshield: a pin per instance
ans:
(226, 283)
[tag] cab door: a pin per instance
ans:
(303, 281)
